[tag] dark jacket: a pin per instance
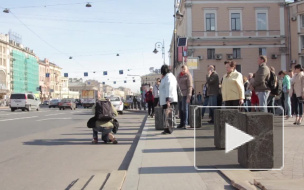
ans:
(261, 76)
(213, 84)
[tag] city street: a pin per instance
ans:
(51, 148)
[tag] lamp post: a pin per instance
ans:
(177, 15)
(163, 49)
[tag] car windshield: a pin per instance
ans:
(17, 96)
(54, 101)
(114, 99)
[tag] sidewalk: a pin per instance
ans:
(166, 162)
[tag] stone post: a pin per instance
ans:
(159, 120)
(258, 153)
(222, 116)
(198, 117)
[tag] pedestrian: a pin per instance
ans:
(192, 100)
(156, 93)
(185, 83)
(168, 96)
(232, 86)
(199, 98)
(134, 102)
(254, 96)
(138, 98)
(272, 95)
(150, 101)
(104, 126)
(206, 100)
(293, 97)
(260, 81)
(213, 90)
(297, 88)
(286, 88)
(247, 94)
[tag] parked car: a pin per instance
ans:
(24, 101)
(87, 103)
(46, 102)
(67, 103)
(117, 103)
(54, 103)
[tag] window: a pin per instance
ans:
(302, 21)
(239, 68)
(302, 42)
(236, 53)
(210, 53)
(29, 96)
(262, 51)
(235, 21)
(261, 21)
(210, 21)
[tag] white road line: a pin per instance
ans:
(55, 114)
(22, 113)
(18, 118)
(52, 119)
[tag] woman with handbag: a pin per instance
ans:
(168, 98)
(232, 86)
(297, 87)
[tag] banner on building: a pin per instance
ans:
(192, 63)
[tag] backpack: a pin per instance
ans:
(271, 83)
(116, 126)
(278, 90)
(149, 96)
(103, 111)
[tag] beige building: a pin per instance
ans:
(78, 85)
(4, 67)
(231, 30)
(150, 79)
(295, 31)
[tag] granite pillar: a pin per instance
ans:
(159, 120)
(222, 116)
(198, 117)
(258, 153)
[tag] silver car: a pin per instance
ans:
(54, 103)
(67, 103)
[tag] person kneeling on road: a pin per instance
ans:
(103, 109)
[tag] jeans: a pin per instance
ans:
(247, 104)
(184, 111)
(270, 102)
(299, 106)
(104, 133)
(287, 104)
(212, 102)
(263, 96)
(150, 106)
(206, 101)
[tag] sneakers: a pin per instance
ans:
(94, 141)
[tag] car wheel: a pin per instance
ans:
(63, 108)
(12, 109)
(23, 109)
(121, 112)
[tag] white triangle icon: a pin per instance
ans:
(235, 138)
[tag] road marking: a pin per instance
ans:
(52, 119)
(55, 114)
(14, 113)
(18, 118)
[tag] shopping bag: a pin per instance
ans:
(168, 119)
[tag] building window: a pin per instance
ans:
(262, 51)
(235, 21)
(210, 53)
(302, 21)
(261, 21)
(239, 68)
(302, 42)
(210, 21)
(236, 53)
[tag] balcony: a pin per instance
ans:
(236, 34)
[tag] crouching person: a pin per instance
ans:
(104, 113)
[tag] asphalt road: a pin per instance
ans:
(51, 148)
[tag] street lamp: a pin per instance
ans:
(177, 15)
(163, 49)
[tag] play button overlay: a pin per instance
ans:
(235, 138)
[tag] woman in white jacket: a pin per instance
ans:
(168, 95)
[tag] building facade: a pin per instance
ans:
(4, 68)
(150, 79)
(236, 30)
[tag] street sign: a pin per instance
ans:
(66, 74)
(120, 72)
(86, 74)
(192, 63)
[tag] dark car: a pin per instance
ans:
(54, 103)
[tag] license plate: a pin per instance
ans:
(17, 100)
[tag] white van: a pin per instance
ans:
(24, 101)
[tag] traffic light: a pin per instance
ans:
(40, 89)
(47, 75)
(125, 81)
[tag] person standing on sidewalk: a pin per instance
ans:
(150, 101)
(184, 80)
(156, 94)
(272, 95)
(168, 95)
(206, 100)
(232, 86)
(286, 89)
(213, 90)
(260, 81)
(297, 88)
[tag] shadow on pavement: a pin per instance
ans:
(170, 169)
(178, 150)
(57, 142)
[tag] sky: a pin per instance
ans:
(93, 36)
